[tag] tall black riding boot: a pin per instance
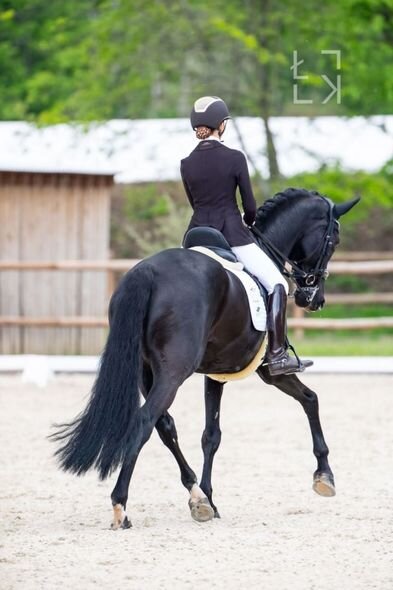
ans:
(278, 360)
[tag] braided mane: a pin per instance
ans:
(279, 201)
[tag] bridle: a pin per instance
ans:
(312, 277)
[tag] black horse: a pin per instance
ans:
(180, 312)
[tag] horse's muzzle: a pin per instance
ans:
(309, 298)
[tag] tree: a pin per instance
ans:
(98, 59)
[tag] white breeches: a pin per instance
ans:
(260, 265)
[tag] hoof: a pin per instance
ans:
(201, 511)
(324, 485)
(120, 520)
(125, 524)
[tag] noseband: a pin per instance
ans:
(312, 277)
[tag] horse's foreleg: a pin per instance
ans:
(200, 507)
(166, 428)
(211, 437)
(159, 399)
(290, 384)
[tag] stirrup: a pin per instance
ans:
(305, 363)
(279, 367)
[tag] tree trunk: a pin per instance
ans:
(266, 86)
(271, 152)
(263, 184)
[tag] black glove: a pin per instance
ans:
(249, 220)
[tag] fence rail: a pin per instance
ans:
(363, 256)
(122, 264)
(338, 267)
(350, 263)
(102, 322)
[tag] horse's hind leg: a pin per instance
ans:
(211, 437)
(166, 428)
(323, 477)
(159, 399)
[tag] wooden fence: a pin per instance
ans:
(344, 264)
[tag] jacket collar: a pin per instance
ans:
(206, 144)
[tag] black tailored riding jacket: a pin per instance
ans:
(211, 175)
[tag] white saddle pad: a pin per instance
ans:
(255, 299)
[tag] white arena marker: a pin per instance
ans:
(37, 371)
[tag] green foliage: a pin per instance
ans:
(359, 311)
(347, 343)
(145, 203)
(41, 52)
(347, 284)
(151, 208)
(370, 222)
(97, 59)
(375, 189)
(146, 219)
(168, 233)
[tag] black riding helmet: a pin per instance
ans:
(209, 111)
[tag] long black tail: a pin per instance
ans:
(109, 429)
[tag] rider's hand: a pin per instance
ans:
(249, 221)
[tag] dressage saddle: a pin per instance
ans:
(209, 238)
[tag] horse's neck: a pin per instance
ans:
(284, 234)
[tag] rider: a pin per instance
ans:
(211, 174)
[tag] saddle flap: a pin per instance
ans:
(255, 299)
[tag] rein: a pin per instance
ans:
(311, 277)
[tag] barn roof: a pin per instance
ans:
(150, 150)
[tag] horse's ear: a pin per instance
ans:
(342, 208)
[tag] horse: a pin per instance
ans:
(180, 312)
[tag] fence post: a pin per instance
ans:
(111, 282)
(298, 313)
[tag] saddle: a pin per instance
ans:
(212, 239)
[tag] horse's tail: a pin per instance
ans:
(109, 429)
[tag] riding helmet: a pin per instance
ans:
(209, 111)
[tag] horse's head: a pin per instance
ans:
(301, 228)
(312, 252)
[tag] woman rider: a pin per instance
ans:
(211, 175)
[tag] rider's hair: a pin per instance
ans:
(203, 132)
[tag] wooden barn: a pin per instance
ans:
(49, 216)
